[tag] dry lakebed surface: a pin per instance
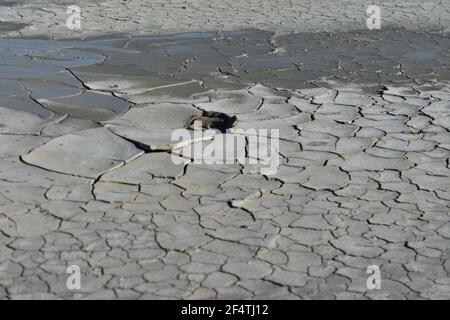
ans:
(90, 175)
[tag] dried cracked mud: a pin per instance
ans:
(87, 178)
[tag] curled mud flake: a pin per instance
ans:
(213, 120)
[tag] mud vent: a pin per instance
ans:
(214, 120)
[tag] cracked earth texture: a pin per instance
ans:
(86, 176)
(140, 17)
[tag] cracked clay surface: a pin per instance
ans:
(87, 179)
(47, 18)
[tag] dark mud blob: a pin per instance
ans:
(214, 120)
(11, 26)
(10, 3)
